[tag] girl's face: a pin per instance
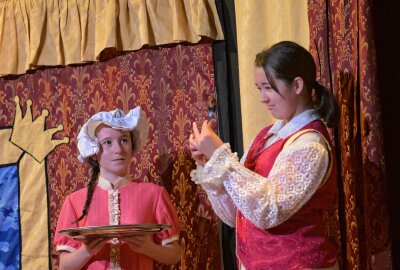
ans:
(283, 105)
(115, 152)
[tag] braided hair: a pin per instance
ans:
(90, 187)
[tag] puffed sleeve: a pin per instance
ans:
(67, 215)
(166, 214)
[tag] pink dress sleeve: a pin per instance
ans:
(166, 214)
(67, 215)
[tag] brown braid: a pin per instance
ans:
(90, 188)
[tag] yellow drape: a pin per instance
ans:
(50, 32)
(259, 25)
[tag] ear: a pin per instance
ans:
(298, 84)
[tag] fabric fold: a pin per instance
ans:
(53, 33)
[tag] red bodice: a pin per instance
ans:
(300, 242)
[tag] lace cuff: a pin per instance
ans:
(211, 178)
(213, 174)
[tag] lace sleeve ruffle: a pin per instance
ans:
(211, 178)
(296, 175)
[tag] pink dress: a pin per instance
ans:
(126, 203)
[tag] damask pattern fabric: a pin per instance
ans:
(171, 84)
(343, 46)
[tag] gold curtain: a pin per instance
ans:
(259, 25)
(37, 33)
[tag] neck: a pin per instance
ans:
(299, 110)
(112, 178)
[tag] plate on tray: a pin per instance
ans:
(113, 231)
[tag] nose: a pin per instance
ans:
(264, 97)
(117, 147)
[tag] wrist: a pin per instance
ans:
(86, 252)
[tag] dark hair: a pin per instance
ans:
(90, 188)
(287, 60)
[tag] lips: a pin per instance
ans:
(119, 159)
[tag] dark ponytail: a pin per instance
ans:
(90, 188)
(326, 105)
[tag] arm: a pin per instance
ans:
(78, 258)
(74, 254)
(297, 173)
(144, 244)
(212, 184)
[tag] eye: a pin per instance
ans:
(124, 140)
(106, 142)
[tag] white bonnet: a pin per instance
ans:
(135, 121)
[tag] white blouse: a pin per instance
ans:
(298, 171)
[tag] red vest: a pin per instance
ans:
(300, 242)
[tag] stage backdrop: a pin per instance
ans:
(342, 42)
(41, 114)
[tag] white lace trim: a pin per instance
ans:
(114, 219)
(211, 179)
(295, 176)
(170, 240)
(65, 248)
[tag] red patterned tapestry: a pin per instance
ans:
(342, 42)
(172, 84)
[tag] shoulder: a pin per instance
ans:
(146, 188)
(76, 198)
(78, 193)
(306, 138)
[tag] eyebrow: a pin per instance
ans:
(263, 83)
(109, 138)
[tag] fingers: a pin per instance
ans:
(138, 243)
(196, 133)
(95, 244)
(204, 127)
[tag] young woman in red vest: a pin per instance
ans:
(278, 194)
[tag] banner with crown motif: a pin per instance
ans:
(23, 186)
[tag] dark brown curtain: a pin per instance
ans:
(172, 85)
(342, 42)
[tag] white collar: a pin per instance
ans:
(299, 121)
(106, 185)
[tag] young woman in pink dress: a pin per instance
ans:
(108, 141)
(279, 193)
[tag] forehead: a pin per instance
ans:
(104, 131)
(259, 75)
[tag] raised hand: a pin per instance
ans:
(30, 135)
(196, 154)
(203, 144)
